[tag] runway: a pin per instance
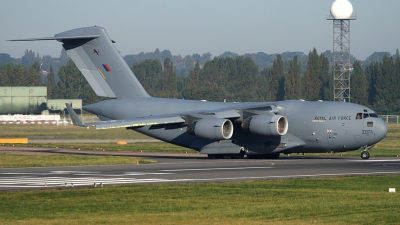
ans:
(188, 168)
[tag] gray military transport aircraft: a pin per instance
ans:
(219, 129)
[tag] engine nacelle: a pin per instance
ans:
(214, 129)
(268, 125)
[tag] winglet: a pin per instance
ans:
(75, 119)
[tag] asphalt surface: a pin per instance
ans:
(184, 168)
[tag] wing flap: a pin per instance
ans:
(136, 122)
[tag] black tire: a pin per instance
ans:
(240, 155)
(365, 155)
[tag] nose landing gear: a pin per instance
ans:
(365, 154)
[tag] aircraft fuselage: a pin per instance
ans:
(312, 126)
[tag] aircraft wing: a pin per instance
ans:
(233, 112)
(132, 122)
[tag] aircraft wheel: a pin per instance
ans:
(365, 155)
(240, 155)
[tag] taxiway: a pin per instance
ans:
(184, 168)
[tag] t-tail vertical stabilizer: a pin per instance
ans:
(102, 64)
(94, 53)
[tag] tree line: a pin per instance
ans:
(236, 79)
(239, 79)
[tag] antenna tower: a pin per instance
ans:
(341, 14)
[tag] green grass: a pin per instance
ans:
(348, 200)
(13, 161)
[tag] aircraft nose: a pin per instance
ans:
(381, 129)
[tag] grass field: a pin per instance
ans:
(14, 161)
(348, 200)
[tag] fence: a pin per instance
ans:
(44, 119)
(390, 118)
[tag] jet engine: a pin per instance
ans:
(214, 129)
(268, 125)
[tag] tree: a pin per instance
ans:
(239, 78)
(29, 58)
(72, 85)
(372, 71)
(326, 91)
(4, 75)
(397, 54)
(64, 56)
(277, 80)
(50, 83)
(194, 75)
(264, 86)
(5, 58)
(385, 84)
(149, 73)
(293, 80)
(359, 85)
(169, 88)
(232, 79)
(19, 75)
(312, 77)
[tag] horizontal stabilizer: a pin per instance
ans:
(75, 119)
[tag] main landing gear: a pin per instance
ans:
(365, 154)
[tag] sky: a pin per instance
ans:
(186, 27)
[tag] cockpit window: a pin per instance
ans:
(373, 115)
(366, 115)
(359, 116)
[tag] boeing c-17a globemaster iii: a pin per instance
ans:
(219, 129)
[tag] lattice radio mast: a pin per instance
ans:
(341, 14)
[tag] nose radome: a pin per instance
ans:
(381, 129)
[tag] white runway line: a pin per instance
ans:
(208, 169)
